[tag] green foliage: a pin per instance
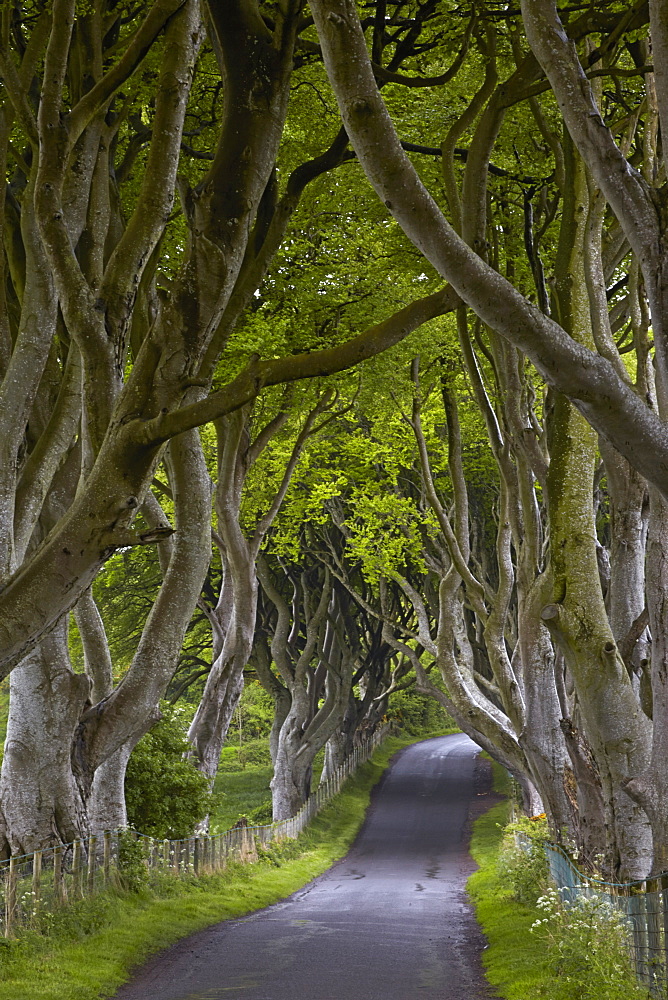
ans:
(522, 861)
(248, 736)
(515, 961)
(385, 531)
(262, 815)
(587, 942)
(125, 591)
(132, 867)
(67, 924)
(254, 715)
(418, 714)
(165, 794)
(237, 757)
(575, 954)
(363, 471)
(277, 852)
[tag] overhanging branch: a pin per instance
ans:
(260, 374)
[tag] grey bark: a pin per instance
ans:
(233, 618)
(42, 801)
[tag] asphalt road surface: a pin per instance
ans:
(388, 922)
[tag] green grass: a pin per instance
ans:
(518, 963)
(238, 793)
(515, 961)
(94, 947)
(242, 787)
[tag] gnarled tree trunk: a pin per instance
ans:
(42, 801)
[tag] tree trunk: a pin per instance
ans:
(542, 739)
(106, 803)
(282, 703)
(651, 787)
(41, 799)
(616, 727)
(628, 537)
(340, 743)
(305, 731)
(293, 767)
(225, 682)
(82, 750)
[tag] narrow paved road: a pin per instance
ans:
(389, 922)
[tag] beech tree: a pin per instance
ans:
(315, 649)
(156, 167)
(116, 310)
(615, 218)
(239, 539)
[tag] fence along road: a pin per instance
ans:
(643, 906)
(390, 920)
(34, 885)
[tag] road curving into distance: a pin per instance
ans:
(390, 921)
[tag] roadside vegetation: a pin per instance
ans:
(540, 949)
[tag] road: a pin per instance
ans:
(390, 921)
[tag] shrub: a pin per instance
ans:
(418, 714)
(254, 713)
(252, 754)
(132, 867)
(165, 794)
(588, 940)
(261, 815)
(522, 861)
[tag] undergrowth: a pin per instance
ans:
(539, 948)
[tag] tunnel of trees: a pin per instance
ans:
(332, 350)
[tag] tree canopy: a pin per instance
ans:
(332, 345)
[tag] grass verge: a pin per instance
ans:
(93, 945)
(574, 960)
(516, 962)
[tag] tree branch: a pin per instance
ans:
(587, 379)
(259, 374)
(99, 96)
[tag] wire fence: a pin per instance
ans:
(33, 886)
(644, 908)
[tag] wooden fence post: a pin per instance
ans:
(664, 911)
(654, 950)
(196, 853)
(11, 878)
(92, 863)
(36, 880)
(106, 863)
(76, 869)
(58, 884)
